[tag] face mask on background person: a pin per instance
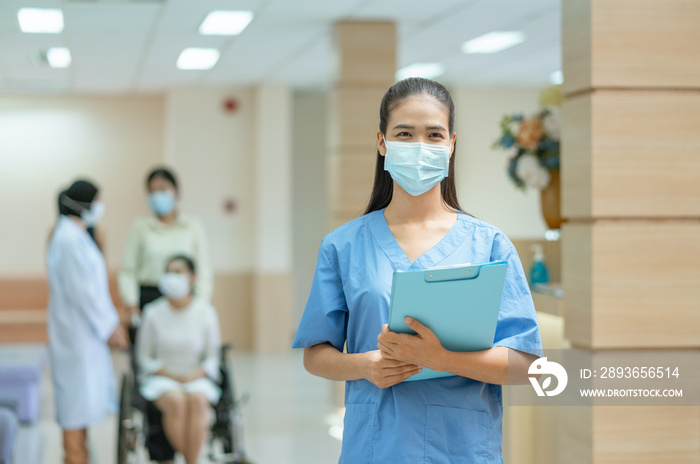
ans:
(92, 216)
(174, 286)
(162, 202)
(415, 166)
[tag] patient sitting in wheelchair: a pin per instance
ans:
(177, 349)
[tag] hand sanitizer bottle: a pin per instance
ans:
(539, 274)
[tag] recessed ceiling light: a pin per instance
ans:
(426, 70)
(556, 78)
(222, 22)
(58, 57)
(40, 20)
(493, 42)
(198, 58)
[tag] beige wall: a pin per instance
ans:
(46, 142)
(273, 300)
(310, 221)
(482, 181)
(212, 151)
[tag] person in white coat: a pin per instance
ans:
(83, 321)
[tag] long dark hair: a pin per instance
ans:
(383, 188)
(189, 262)
(161, 173)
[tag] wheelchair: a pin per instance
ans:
(225, 444)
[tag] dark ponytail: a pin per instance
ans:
(383, 188)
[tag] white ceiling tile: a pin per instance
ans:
(100, 17)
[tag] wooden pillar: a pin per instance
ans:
(366, 59)
(631, 192)
(365, 54)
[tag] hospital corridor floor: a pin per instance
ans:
(289, 418)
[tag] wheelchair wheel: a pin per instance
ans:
(130, 438)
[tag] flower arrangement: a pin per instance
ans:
(535, 141)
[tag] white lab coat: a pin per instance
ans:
(82, 317)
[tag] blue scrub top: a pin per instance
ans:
(447, 420)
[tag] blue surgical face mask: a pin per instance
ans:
(92, 216)
(162, 202)
(415, 166)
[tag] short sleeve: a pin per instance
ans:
(325, 315)
(146, 342)
(517, 321)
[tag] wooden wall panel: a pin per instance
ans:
(630, 44)
(366, 52)
(24, 293)
(645, 159)
(575, 436)
(632, 284)
(576, 45)
(352, 185)
(629, 434)
(233, 300)
(646, 43)
(646, 434)
(23, 326)
(355, 116)
(577, 281)
(645, 284)
(630, 170)
(33, 292)
(271, 330)
(631, 154)
(576, 133)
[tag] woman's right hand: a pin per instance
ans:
(133, 315)
(118, 339)
(385, 373)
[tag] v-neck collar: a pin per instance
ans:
(399, 260)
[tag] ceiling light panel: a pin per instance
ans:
(222, 22)
(198, 58)
(40, 20)
(59, 57)
(493, 42)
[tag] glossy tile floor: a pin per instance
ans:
(286, 420)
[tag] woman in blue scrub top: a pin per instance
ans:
(413, 221)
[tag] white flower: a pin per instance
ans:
(552, 124)
(531, 172)
(514, 126)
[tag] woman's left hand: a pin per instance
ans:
(192, 376)
(423, 349)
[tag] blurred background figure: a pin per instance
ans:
(155, 238)
(152, 241)
(82, 321)
(178, 357)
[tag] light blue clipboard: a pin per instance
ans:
(459, 304)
